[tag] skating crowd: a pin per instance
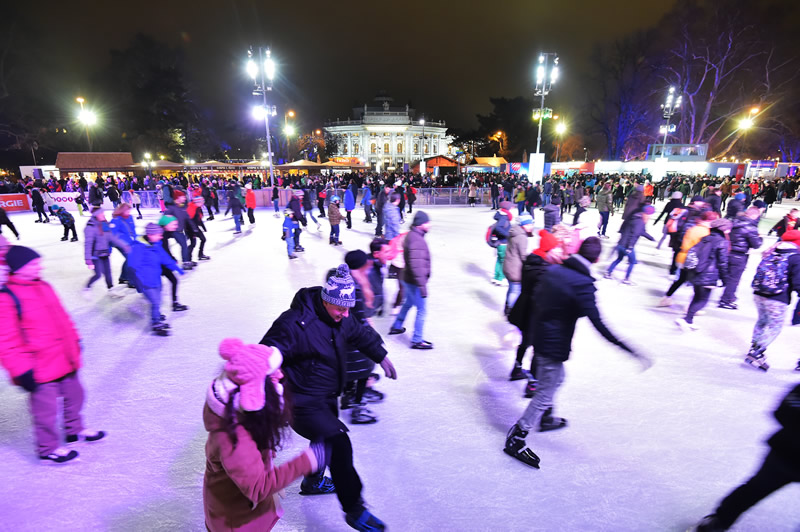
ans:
(324, 348)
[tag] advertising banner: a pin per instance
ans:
(15, 202)
(67, 200)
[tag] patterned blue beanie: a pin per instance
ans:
(339, 289)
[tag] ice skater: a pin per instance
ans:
(41, 351)
(313, 336)
(245, 418)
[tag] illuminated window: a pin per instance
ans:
(355, 149)
(435, 147)
(399, 147)
(426, 148)
(416, 149)
(374, 148)
(345, 149)
(387, 134)
(386, 148)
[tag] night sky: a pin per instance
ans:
(446, 58)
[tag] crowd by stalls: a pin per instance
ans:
(324, 349)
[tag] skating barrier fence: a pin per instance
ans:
(425, 197)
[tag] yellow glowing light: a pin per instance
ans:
(754, 110)
(291, 114)
(79, 99)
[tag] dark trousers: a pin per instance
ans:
(45, 409)
(67, 229)
(210, 214)
(180, 238)
(41, 212)
(317, 421)
(410, 206)
(250, 217)
(736, 265)
(379, 224)
(398, 273)
(334, 234)
(102, 266)
(603, 222)
(138, 210)
(166, 272)
(193, 242)
(700, 299)
(495, 202)
(678, 282)
(349, 220)
(321, 207)
(774, 474)
(10, 226)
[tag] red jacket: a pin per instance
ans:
(44, 339)
(250, 199)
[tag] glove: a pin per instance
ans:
(321, 454)
(423, 290)
(26, 381)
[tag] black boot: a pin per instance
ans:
(551, 422)
(755, 357)
(710, 523)
(517, 374)
(361, 415)
(530, 388)
(517, 448)
(317, 485)
(177, 307)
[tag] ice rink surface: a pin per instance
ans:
(652, 451)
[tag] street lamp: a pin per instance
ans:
(669, 108)
(266, 73)
(87, 118)
(561, 128)
(422, 140)
(289, 130)
(748, 122)
(546, 74)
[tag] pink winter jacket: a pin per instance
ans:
(44, 340)
(241, 484)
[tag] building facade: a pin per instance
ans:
(387, 137)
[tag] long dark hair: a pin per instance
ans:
(267, 426)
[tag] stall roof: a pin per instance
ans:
(490, 161)
(300, 165)
(94, 161)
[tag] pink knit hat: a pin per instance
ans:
(248, 366)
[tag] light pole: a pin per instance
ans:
(546, 75)
(422, 141)
(560, 130)
(87, 118)
(267, 73)
(669, 108)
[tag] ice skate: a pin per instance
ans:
(317, 486)
(758, 360)
(608, 275)
(178, 307)
(160, 329)
(371, 395)
(204, 257)
(86, 435)
(365, 522)
(517, 448)
(710, 523)
(517, 373)
(665, 301)
(797, 368)
(361, 415)
(59, 456)
(551, 422)
(727, 305)
(530, 388)
(684, 325)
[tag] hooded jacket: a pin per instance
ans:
(241, 486)
(713, 266)
(552, 215)
(515, 253)
(314, 347)
(43, 338)
(417, 257)
(147, 259)
(744, 235)
(522, 313)
(97, 243)
(631, 230)
(502, 226)
(349, 200)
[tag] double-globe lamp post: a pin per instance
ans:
(546, 74)
(669, 108)
(266, 73)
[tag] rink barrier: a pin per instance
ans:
(425, 197)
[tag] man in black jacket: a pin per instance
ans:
(314, 336)
(564, 294)
(744, 237)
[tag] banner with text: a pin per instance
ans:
(14, 202)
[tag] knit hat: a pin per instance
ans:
(739, 196)
(248, 186)
(760, 204)
(525, 219)
(179, 195)
(356, 259)
(19, 256)
(792, 236)
(697, 198)
(247, 366)
(723, 224)
(166, 220)
(506, 205)
(153, 229)
(419, 219)
(590, 249)
(676, 195)
(547, 241)
(339, 289)
(648, 209)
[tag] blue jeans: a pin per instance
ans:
(153, 296)
(237, 222)
(621, 254)
(289, 243)
(545, 199)
(549, 374)
(275, 205)
(334, 233)
(603, 222)
(310, 213)
(514, 289)
(521, 207)
(495, 202)
(413, 299)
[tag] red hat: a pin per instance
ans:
(792, 236)
(547, 241)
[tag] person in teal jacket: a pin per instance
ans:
(366, 201)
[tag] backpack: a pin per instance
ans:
(675, 218)
(772, 274)
(697, 258)
(491, 237)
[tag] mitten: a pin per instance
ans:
(26, 381)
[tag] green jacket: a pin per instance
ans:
(604, 201)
